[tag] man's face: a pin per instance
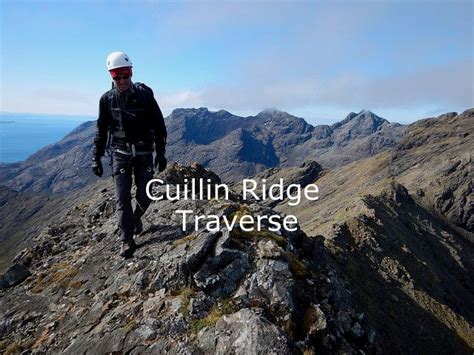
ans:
(123, 82)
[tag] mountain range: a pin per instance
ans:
(233, 147)
(382, 262)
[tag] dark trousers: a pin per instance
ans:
(124, 168)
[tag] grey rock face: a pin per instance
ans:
(223, 273)
(440, 150)
(273, 283)
(245, 332)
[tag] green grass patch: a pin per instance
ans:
(59, 274)
(18, 347)
(132, 324)
(3, 344)
(256, 235)
(296, 266)
(218, 310)
(185, 239)
(186, 295)
(238, 213)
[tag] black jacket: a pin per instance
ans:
(132, 117)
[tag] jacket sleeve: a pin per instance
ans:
(159, 128)
(102, 129)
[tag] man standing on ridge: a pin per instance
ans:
(131, 124)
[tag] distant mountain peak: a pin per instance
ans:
(274, 112)
(223, 114)
(349, 117)
(366, 112)
(363, 117)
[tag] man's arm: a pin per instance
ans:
(159, 131)
(100, 138)
(102, 129)
(159, 128)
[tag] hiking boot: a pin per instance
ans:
(127, 249)
(138, 227)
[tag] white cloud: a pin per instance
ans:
(326, 58)
(186, 98)
(447, 85)
(422, 90)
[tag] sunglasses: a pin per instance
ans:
(124, 77)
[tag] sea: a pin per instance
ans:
(22, 134)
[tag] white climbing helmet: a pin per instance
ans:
(118, 60)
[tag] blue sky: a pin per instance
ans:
(319, 60)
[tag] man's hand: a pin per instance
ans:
(160, 162)
(97, 167)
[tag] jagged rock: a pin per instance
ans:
(184, 259)
(357, 330)
(244, 332)
(153, 306)
(98, 236)
(176, 174)
(397, 193)
(146, 332)
(272, 284)
(3, 282)
(269, 249)
(222, 273)
(199, 248)
(199, 305)
(14, 275)
(343, 321)
(25, 257)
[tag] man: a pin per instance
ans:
(131, 124)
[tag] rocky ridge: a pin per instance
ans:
(227, 291)
(400, 226)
